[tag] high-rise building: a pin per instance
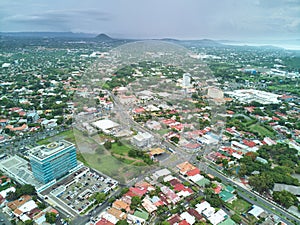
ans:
(52, 161)
(186, 80)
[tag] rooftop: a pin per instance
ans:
(44, 151)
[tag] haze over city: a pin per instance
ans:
(247, 20)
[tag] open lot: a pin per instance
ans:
(239, 205)
(120, 150)
(113, 167)
(261, 130)
(91, 152)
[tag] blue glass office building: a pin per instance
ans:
(52, 161)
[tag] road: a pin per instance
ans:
(17, 145)
(256, 199)
(4, 219)
(182, 156)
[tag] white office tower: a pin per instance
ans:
(186, 80)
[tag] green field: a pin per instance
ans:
(120, 150)
(113, 167)
(104, 163)
(163, 131)
(114, 162)
(239, 205)
(67, 135)
(261, 130)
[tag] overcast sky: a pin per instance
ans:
(185, 19)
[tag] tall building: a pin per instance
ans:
(52, 161)
(186, 80)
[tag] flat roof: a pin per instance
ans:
(105, 124)
(157, 151)
(44, 151)
(18, 169)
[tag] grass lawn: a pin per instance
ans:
(163, 131)
(44, 141)
(109, 165)
(123, 150)
(262, 130)
(106, 164)
(120, 150)
(67, 135)
(239, 205)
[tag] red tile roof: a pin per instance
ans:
(168, 121)
(104, 222)
(174, 219)
(194, 213)
(130, 194)
(249, 143)
(174, 182)
(138, 191)
(179, 187)
(177, 127)
(193, 172)
(183, 222)
(218, 189)
(192, 145)
(139, 110)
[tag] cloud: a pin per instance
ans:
(67, 20)
(169, 18)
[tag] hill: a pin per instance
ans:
(104, 37)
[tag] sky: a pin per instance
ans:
(183, 19)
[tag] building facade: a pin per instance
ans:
(186, 80)
(53, 161)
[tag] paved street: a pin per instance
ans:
(255, 199)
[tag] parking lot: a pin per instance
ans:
(76, 194)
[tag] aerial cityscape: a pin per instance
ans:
(159, 112)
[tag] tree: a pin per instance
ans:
(100, 197)
(285, 198)
(107, 145)
(41, 205)
(262, 182)
(164, 223)
(26, 189)
(50, 217)
(122, 222)
(28, 222)
(212, 198)
(135, 202)
(175, 139)
(236, 218)
(124, 191)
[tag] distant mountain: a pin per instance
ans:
(209, 42)
(47, 34)
(202, 42)
(167, 39)
(104, 37)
